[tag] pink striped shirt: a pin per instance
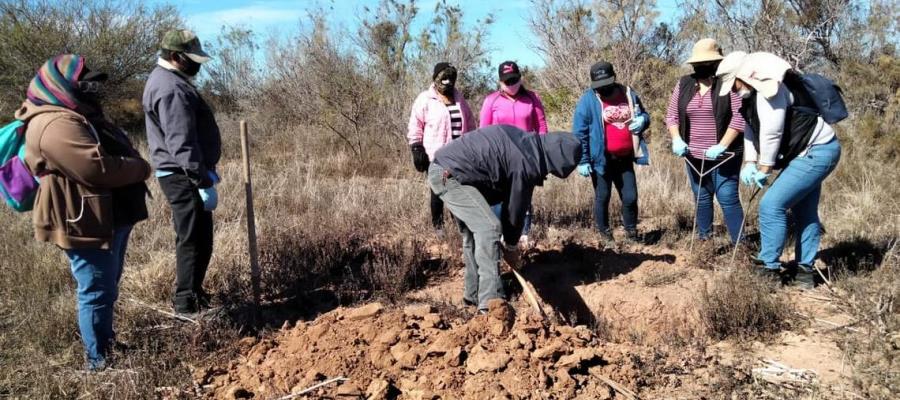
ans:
(703, 122)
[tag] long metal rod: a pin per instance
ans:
(740, 234)
(700, 175)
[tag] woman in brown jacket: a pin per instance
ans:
(91, 190)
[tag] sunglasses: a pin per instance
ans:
(512, 81)
(90, 86)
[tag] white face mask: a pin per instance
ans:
(511, 89)
(745, 93)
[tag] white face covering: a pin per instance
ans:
(745, 93)
(511, 90)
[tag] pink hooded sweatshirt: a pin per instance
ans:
(525, 111)
(429, 121)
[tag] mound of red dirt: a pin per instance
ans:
(416, 353)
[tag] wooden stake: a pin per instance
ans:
(251, 218)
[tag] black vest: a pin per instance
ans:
(688, 87)
(800, 121)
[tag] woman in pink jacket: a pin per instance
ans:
(514, 105)
(439, 115)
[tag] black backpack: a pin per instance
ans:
(814, 96)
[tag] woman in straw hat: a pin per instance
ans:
(771, 92)
(705, 125)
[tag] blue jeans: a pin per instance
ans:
(97, 273)
(618, 172)
(526, 227)
(797, 189)
(480, 230)
(723, 185)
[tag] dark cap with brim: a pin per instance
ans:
(602, 74)
(93, 76)
(508, 70)
(186, 42)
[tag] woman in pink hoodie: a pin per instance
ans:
(439, 115)
(514, 105)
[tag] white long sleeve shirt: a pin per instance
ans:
(772, 113)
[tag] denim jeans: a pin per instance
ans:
(480, 230)
(498, 210)
(723, 185)
(618, 172)
(97, 273)
(797, 189)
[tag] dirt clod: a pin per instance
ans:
(481, 360)
(366, 311)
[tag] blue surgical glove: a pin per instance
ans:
(637, 123)
(210, 198)
(747, 173)
(715, 151)
(214, 177)
(584, 170)
(760, 179)
(679, 147)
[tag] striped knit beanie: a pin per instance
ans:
(56, 82)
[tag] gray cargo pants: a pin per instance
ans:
(480, 231)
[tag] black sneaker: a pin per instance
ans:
(185, 307)
(469, 303)
(805, 279)
(762, 271)
(203, 300)
(633, 236)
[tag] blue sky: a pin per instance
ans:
(509, 33)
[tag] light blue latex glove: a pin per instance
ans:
(210, 198)
(584, 170)
(679, 147)
(636, 123)
(760, 179)
(747, 173)
(715, 151)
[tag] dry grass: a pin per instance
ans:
(873, 299)
(741, 306)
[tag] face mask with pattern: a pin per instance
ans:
(445, 83)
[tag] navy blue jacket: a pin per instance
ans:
(505, 163)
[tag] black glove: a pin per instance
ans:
(419, 157)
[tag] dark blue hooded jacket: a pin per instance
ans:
(505, 163)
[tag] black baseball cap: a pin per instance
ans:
(508, 70)
(440, 67)
(602, 74)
